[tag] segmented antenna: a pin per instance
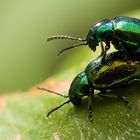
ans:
(63, 95)
(68, 48)
(57, 107)
(55, 37)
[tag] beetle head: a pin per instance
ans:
(100, 32)
(91, 39)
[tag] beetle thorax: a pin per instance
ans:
(104, 30)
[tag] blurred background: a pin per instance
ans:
(26, 59)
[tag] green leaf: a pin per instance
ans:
(23, 116)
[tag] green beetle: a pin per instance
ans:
(123, 32)
(115, 73)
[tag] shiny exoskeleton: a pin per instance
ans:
(114, 73)
(122, 32)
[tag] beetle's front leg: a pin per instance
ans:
(90, 110)
(102, 50)
(107, 47)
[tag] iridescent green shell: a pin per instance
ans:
(114, 73)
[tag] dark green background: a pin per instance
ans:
(26, 59)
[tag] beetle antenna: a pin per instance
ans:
(68, 48)
(56, 108)
(64, 37)
(63, 95)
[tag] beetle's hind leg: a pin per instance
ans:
(133, 80)
(122, 98)
(129, 83)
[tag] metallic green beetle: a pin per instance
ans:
(122, 32)
(115, 73)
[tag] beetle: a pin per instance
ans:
(123, 32)
(115, 73)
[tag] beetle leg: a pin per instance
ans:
(107, 47)
(103, 53)
(90, 98)
(56, 108)
(123, 50)
(133, 80)
(125, 101)
(102, 49)
(126, 84)
(103, 58)
(122, 98)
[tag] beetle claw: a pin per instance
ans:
(90, 117)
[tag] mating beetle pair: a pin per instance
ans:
(116, 73)
(122, 67)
